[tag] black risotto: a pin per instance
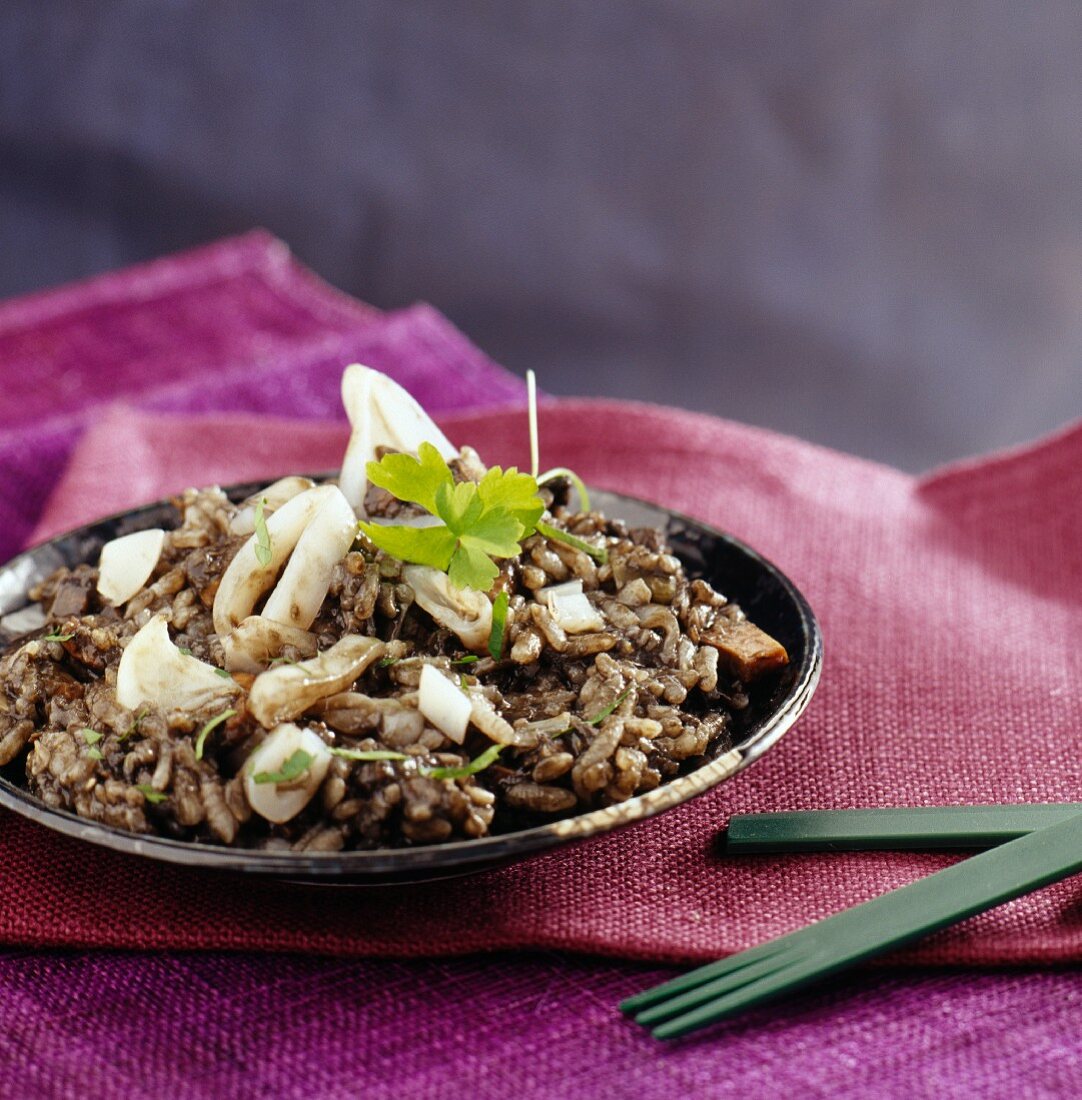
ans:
(556, 723)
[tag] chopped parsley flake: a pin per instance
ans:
(292, 769)
(54, 637)
(468, 660)
(603, 714)
(91, 737)
(598, 553)
(150, 794)
(262, 535)
(499, 625)
(216, 721)
(223, 673)
(478, 764)
(134, 726)
(94, 754)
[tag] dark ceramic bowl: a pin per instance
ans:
(769, 598)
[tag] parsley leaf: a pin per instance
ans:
(469, 659)
(94, 754)
(415, 480)
(481, 521)
(514, 491)
(420, 545)
(91, 737)
(216, 721)
(54, 637)
(262, 535)
(150, 794)
(292, 769)
(223, 673)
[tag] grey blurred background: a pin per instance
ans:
(860, 223)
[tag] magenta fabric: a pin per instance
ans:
(247, 1024)
(950, 608)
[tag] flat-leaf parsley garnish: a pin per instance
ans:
(54, 637)
(91, 737)
(150, 794)
(292, 769)
(481, 520)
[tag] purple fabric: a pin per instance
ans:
(237, 326)
(492, 1027)
(240, 326)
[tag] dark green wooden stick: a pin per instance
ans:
(791, 962)
(920, 827)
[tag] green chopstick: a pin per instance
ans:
(861, 830)
(722, 989)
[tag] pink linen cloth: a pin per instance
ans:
(951, 608)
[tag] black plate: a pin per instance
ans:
(770, 599)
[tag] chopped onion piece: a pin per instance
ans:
(153, 670)
(567, 588)
(571, 609)
(280, 802)
(126, 564)
(444, 704)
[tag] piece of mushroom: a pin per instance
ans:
(282, 801)
(252, 645)
(289, 690)
(465, 611)
(126, 564)
(246, 578)
(273, 496)
(381, 414)
(303, 585)
(153, 670)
